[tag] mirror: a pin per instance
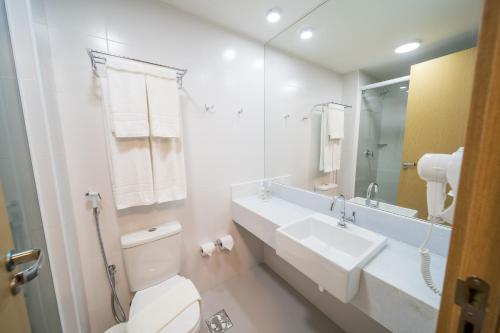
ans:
(357, 92)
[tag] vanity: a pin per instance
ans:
(372, 263)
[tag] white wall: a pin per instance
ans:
(293, 86)
(221, 148)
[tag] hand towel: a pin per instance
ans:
(130, 164)
(158, 314)
(169, 172)
(163, 102)
(332, 132)
(335, 121)
(127, 98)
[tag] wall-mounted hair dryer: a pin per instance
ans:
(438, 170)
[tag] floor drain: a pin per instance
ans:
(219, 322)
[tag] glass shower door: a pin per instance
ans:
(380, 145)
(20, 218)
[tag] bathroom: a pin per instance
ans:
(234, 234)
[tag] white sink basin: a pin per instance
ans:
(328, 254)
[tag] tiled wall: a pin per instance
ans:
(221, 148)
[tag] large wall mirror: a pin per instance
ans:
(357, 92)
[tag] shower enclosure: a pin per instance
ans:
(380, 144)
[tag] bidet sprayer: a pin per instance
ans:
(95, 197)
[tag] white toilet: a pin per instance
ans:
(152, 263)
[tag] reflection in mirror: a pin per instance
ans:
(375, 87)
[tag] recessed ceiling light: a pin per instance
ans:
(229, 54)
(306, 33)
(407, 47)
(273, 15)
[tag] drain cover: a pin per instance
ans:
(219, 322)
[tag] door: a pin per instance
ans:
(474, 250)
(13, 313)
(438, 100)
(34, 308)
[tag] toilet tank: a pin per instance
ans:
(152, 255)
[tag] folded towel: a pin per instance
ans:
(169, 173)
(164, 309)
(330, 148)
(127, 98)
(130, 164)
(163, 102)
(335, 121)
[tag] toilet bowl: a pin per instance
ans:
(152, 263)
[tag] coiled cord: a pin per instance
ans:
(425, 262)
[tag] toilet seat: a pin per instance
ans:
(187, 321)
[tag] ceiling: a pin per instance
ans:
(351, 35)
(247, 17)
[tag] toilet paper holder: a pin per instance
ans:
(225, 243)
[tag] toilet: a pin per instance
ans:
(152, 263)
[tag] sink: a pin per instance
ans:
(328, 254)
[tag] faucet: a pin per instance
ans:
(343, 219)
(372, 188)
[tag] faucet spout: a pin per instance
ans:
(371, 192)
(343, 219)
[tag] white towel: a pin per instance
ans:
(163, 102)
(332, 132)
(162, 311)
(130, 164)
(169, 173)
(127, 98)
(335, 121)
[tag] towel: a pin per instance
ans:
(169, 173)
(163, 102)
(127, 98)
(332, 133)
(163, 310)
(335, 121)
(130, 164)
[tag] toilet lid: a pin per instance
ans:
(186, 321)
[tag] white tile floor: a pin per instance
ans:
(260, 301)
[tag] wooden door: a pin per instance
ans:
(475, 238)
(13, 313)
(436, 118)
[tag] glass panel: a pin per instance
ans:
(380, 145)
(16, 175)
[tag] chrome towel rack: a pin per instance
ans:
(99, 58)
(307, 116)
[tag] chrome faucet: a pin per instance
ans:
(343, 219)
(372, 188)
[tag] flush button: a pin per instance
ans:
(151, 229)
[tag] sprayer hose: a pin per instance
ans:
(116, 306)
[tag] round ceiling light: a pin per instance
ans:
(306, 33)
(408, 47)
(273, 15)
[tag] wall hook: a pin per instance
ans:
(286, 116)
(240, 112)
(210, 108)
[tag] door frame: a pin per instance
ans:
(35, 88)
(475, 238)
